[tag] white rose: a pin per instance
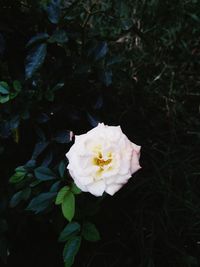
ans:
(103, 159)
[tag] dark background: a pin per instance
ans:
(128, 63)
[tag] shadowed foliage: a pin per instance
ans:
(64, 67)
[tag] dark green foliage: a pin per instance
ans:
(70, 250)
(41, 202)
(53, 9)
(19, 196)
(62, 168)
(90, 232)
(17, 177)
(44, 174)
(64, 67)
(35, 59)
(70, 230)
(68, 206)
(62, 137)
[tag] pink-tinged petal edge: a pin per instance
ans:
(135, 165)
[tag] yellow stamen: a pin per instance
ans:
(101, 162)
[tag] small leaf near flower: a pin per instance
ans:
(61, 194)
(75, 189)
(68, 206)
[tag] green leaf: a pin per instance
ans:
(90, 232)
(40, 37)
(39, 148)
(75, 189)
(58, 86)
(53, 10)
(44, 174)
(68, 206)
(126, 24)
(70, 250)
(4, 88)
(17, 86)
(20, 169)
(47, 160)
(13, 95)
(101, 50)
(41, 202)
(16, 198)
(70, 230)
(62, 168)
(61, 194)
(26, 193)
(4, 99)
(17, 177)
(55, 187)
(114, 60)
(105, 77)
(35, 59)
(19, 196)
(35, 183)
(59, 36)
(14, 122)
(30, 165)
(62, 137)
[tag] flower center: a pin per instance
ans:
(99, 161)
(102, 163)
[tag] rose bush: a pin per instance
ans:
(102, 160)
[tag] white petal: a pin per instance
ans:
(97, 188)
(71, 173)
(80, 166)
(113, 188)
(123, 179)
(113, 133)
(110, 180)
(68, 154)
(110, 172)
(124, 166)
(85, 162)
(84, 180)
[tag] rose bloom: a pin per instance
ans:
(103, 159)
